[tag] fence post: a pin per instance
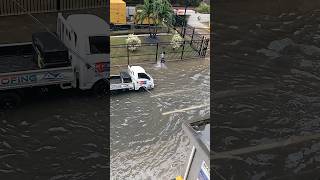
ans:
(157, 52)
(201, 46)
(184, 41)
(58, 5)
(128, 54)
(192, 36)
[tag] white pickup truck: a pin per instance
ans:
(77, 56)
(134, 78)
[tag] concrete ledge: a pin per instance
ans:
(16, 29)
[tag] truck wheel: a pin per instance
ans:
(101, 88)
(9, 100)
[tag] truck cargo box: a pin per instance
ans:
(51, 52)
(118, 12)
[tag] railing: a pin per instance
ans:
(17, 7)
(120, 55)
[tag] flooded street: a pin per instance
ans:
(63, 135)
(266, 103)
(58, 136)
(147, 141)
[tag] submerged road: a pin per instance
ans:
(147, 141)
(266, 102)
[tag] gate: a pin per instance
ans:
(18, 7)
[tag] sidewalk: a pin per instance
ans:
(15, 29)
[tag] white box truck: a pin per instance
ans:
(77, 56)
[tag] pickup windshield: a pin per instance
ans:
(99, 45)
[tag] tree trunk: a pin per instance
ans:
(150, 33)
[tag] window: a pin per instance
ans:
(127, 80)
(143, 76)
(99, 45)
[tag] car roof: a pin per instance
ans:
(137, 69)
(88, 24)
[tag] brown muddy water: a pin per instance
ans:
(266, 81)
(147, 141)
(63, 135)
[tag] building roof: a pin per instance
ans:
(87, 24)
(117, 2)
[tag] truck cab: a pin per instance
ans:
(141, 79)
(87, 39)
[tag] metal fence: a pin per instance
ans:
(150, 53)
(17, 7)
(199, 36)
(126, 29)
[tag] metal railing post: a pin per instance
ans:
(184, 41)
(201, 46)
(157, 52)
(128, 55)
(192, 36)
(58, 5)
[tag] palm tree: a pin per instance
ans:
(162, 13)
(145, 12)
(159, 11)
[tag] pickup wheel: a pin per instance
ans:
(9, 100)
(101, 88)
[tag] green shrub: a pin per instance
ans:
(203, 8)
(176, 41)
(133, 42)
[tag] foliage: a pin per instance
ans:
(193, 3)
(133, 42)
(157, 11)
(176, 41)
(203, 8)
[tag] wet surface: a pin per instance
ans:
(266, 79)
(60, 135)
(147, 141)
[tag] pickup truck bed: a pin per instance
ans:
(17, 63)
(115, 80)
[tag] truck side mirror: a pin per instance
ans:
(70, 57)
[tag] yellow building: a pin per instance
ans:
(118, 12)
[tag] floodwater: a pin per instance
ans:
(61, 135)
(147, 141)
(266, 106)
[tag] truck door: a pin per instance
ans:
(97, 61)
